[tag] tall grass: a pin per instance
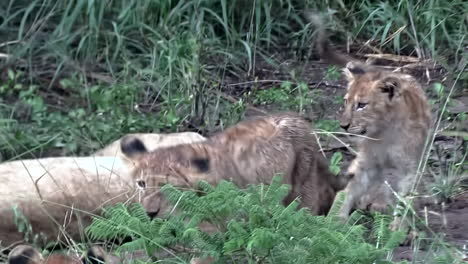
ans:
(76, 74)
(169, 57)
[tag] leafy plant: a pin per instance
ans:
(335, 162)
(121, 62)
(332, 73)
(251, 224)
(450, 175)
(288, 96)
(328, 125)
(24, 226)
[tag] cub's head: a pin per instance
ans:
(181, 166)
(373, 100)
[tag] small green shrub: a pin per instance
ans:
(286, 97)
(328, 125)
(253, 227)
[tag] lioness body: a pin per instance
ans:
(52, 192)
(390, 114)
(250, 152)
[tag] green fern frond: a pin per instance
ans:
(138, 211)
(395, 239)
(358, 216)
(337, 204)
(205, 187)
(276, 191)
(379, 230)
(132, 246)
(253, 225)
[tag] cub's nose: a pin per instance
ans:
(344, 126)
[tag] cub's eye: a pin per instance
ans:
(361, 106)
(141, 184)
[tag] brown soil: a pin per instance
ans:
(445, 223)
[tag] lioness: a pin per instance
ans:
(252, 151)
(58, 195)
(390, 113)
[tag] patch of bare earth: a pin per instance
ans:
(446, 223)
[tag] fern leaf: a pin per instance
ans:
(337, 204)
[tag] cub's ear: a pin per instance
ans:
(390, 86)
(202, 164)
(132, 146)
(353, 70)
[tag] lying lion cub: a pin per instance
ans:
(248, 153)
(389, 113)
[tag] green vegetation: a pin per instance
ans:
(252, 226)
(75, 75)
(105, 68)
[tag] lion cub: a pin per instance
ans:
(391, 113)
(250, 152)
(391, 116)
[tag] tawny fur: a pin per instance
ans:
(392, 111)
(250, 152)
(151, 142)
(325, 49)
(389, 110)
(58, 195)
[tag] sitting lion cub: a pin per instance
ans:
(250, 152)
(390, 113)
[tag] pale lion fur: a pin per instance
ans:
(53, 192)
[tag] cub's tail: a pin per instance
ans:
(322, 43)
